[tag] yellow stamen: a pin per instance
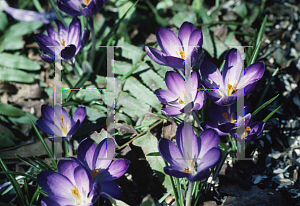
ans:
(63, 42)
(95, 172)
(181, 54)
(86, 2)
(231, 118)
(63, 126)
(75, 193)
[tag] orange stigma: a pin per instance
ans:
(86, 2)
(245, 134)
(226, 116)
(186, 170)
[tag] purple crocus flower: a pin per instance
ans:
(57, 122)
(222, 88)
(175, 49)
(192, 157)
(80, 7)
(65, 43)
(176, 98)
(223, 118)
(72, 185)
(98, 161)
(247, 130)
(25, 15)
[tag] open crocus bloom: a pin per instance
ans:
(72, 185)
(192, 157)
(246, 130)
(57, 122)
(176, 98)
(175, 49)
(223, 88)
(98, 161)
(80, 7)
(65, 43)
(223, 118)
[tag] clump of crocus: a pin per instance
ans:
(81, 7)
(72, 185)
(56, 122)
(177, 98)
(223, 118)
(175, 50)
(65, 43)
(192, 157)
(247, 130)
(223, 88)
(98, 161)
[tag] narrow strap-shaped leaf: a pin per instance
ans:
(13, 181)
(271, 114)
(267, 87)
(18, 173)
(50, 154)
(264, 105)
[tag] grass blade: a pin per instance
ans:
(50, 154)
(271, 114)
(264, 105)
(13, 181)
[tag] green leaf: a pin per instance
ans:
(15, 76)
(124, 67)
(153, 80)
(23, 28)
(124, 8)
(131, 106)
(88, 94)
(271, 114)
(142, 93)
(164, 4)
(207, 44)
(130, 51)
(13, 181)
(3, 21)
(241, 10)
(12, 43)
(23, 119)
(179, 18)
(264, 105)
(85, 76)
(9, 110)
(149, 144)
(6, 137)
(18, 62)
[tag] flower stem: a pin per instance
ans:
(90, 21)
(189, 194)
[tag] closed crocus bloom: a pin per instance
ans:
(223, 88)
(56, 122)
(176, 97)
(65, 43)
(80, 7)
(72, 185)
(98, 161)
(26, 15)
(223, 118)
(175, 49)
(192, 157)
(247, 130)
